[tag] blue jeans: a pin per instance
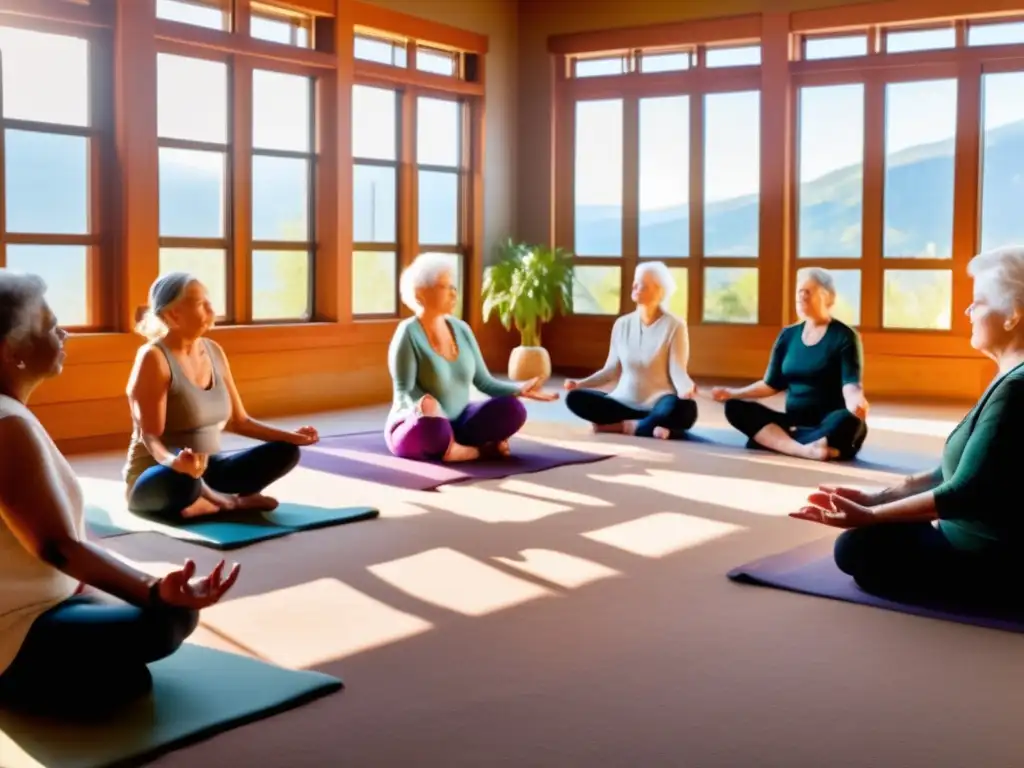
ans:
(673, 413)
(162, 493)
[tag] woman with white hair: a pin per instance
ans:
(182, 397)
(647, 360)
(818, 363)
(954, 534)
(434, 358)
(77, 626)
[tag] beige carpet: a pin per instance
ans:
(581, 617)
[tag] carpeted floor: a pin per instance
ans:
(582, 617)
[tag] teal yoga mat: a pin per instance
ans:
(197, 692)
(227, 531)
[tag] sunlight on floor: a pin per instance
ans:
(559, 568)
(868, 476)
(913, 426)
(487, 506)
(662, 533)
(457, 582)
(554, 494)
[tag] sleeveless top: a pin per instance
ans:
(194, 419)
(28, 586)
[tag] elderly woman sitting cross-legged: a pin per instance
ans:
(434, 359)
(65, 650)
(818, 364)
(956, 533)
(647, 359)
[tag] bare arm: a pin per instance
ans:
(911, 486)
(147, 396)
(241, 423)
(756, 391)
(38, 513)
(679, 361)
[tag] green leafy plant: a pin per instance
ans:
(527, 286)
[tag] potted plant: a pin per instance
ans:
(526, 287)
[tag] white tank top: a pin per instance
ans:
(28, 586)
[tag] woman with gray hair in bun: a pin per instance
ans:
(182, 396)
(818, 363)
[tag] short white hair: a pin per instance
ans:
(19, 295)
(424, 272)
(1000, 273)
(821, 276)
(662, 276)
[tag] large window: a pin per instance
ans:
(1002, 187)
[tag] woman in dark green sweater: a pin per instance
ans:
(956, 532)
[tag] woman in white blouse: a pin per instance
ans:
(647, 359)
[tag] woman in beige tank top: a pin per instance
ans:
(77, 626)
(182, 397)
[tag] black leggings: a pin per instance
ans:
(162, 493)
(88, 656)
(914, 562)
(674, 413)
(845, 431)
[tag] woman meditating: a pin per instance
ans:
(954, 534)
(647, 360)
(65, 650)
(818, 364)
(182, 396)
(433, 360)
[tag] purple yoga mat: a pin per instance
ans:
(365, 455)
(811, 570)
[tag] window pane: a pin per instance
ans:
(198, 14)
(436, 62)
(996, 34)
(598, 182)
(374, 283)
(192, 99)
(918, 298)
(615, 65)
(730, 295)
(831, 158)
(732, 173)
(375, 201)
(65, 270)
(380, 51)
(437, 132)
(192, 193)
(835, 47)
(45, 77)
(280, 285)
(209, 266)
(278, 31)
(749, 55)
(1002, 175)
(665, 176)
(374, 126)
(47, 177)
(920, 137)
(280, 198)
(438, 208)
(281, 111)
(455, 260)
(664, 62)
(596, 290)
(678, 305)
(847, 306)
(920, 40)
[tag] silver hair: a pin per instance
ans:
(19, 294)
(821, 276)
(1000, 272)
(424, 272)
(662, 276)
(165, 290)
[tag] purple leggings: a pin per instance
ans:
(423, 438)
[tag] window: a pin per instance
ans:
(732, 175)
(381, 51)
(847, 304)
(1004, 33)
(596, 290)
(276, 26)
(613, 65)
(730, 295)
(745, 56)
(375, 201)
(51, 219)
(200, 13)
(665, 62)
(920, 40)
(917, 299)
(598, 178)
(664, 196)
(437, 62)
(835, 47)
(1002, 170)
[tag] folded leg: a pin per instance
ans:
(162, 493)
(774, 430)
(489, 421)
(420, 438)
(598, 408)
(845, 433)
(249, 472)
(673, 413)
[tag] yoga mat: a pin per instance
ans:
(810, 570)
(365, 455)
(229, 530)
(197, 692)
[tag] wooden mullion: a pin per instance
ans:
(966, 188)
(473, 271)
(408, 182)
(240, 227)
(561, 224)
(241, 18)
(873, 204)
(630, 196)
(695, 282)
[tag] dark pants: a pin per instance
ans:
(674, 413)
(88, 656)
(484, 423)
(162, 493)
(845, 431)
(914, 562)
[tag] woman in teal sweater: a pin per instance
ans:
(955, 532)
(434, 359)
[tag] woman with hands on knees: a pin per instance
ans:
(818, 363)
(647, 359)
(955, 532)
(65, 650)
(182, 397)
(434, 359)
